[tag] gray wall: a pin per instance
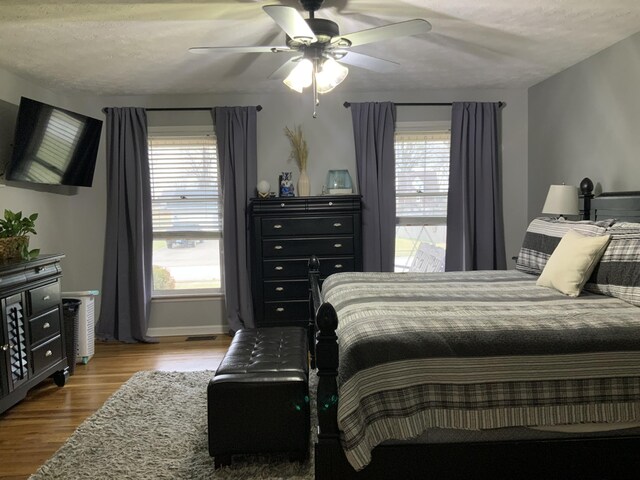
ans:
(74, 223)
(583, 122)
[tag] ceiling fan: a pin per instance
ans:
(319, 48)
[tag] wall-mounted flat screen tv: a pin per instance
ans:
(53, 146)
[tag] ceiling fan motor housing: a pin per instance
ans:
(311, 5)
(323, 29)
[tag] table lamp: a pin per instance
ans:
(561, 200)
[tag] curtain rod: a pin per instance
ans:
(178, 109)
(444, 104)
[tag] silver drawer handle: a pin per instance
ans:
(279, 289)
(48, 354)
(46, 325)
(330, 204)
(46, 297)
(277, 226)
(337, 245)
(282, 205)
(279, 268)
(278, 247)
(4, 348)
(337, 224)
(280, 309)
(337, 265)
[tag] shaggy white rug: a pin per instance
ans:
(155, 426)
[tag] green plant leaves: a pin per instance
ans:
(27, 254)
(15, 225)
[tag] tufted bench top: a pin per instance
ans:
(266, 350)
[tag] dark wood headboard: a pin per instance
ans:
(619, 205)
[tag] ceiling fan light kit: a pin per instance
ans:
(321, 45)
(331, 75)
(300, 76)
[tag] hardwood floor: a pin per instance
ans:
(32, 430)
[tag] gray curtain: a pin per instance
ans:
(475, 231)
(237, 156)
(126, 277)
(373, 131)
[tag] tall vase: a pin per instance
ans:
(303, 184)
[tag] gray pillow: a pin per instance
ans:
(618, 273)
(544, 234)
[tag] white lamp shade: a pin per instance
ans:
(300, 76)
(331, 75)
(561, 200)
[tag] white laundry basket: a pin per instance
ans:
(86, 324)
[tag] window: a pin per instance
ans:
(422, 184)
(187, 215)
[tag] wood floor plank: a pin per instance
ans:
(34, 429)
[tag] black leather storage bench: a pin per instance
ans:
(258, 399)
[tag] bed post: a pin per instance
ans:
(314, 304)
(586, 193)
(329, 456)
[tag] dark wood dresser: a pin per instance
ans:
(32, 345)
(285, 232)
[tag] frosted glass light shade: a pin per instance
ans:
(331, 75)
(561, 200)
(300, 76)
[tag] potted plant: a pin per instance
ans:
(14, 239)
(299, 154)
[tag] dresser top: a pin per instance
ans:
(18, 264)
(300, 204)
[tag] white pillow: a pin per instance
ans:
(572, 262)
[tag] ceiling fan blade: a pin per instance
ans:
(282, 72)
(369, 62)
(257, 49)
(290, 20)
(400, 29)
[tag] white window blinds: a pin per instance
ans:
(422, 174)
(185, 189)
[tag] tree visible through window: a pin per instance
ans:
(187, 223)
(422, 185)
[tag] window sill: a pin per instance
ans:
(187, 297)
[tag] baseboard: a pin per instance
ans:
(186, 331)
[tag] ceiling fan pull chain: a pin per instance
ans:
(316, 101)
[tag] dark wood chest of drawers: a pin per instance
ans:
(285, 232)
(32, 345)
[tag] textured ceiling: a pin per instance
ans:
(119, 47)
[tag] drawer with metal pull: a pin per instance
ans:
(286, 311)
(43, 298)
(334, 204)
(286, 289)
(307, 226)
(299, 267)
(45, 326)
(46, 354)
(287, 247)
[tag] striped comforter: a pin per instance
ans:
(477, 350)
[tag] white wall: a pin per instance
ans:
(74, 224)
(583, 122)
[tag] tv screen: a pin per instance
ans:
(53, 146)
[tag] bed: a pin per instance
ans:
(483, 374)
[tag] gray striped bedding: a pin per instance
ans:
(477, 350)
